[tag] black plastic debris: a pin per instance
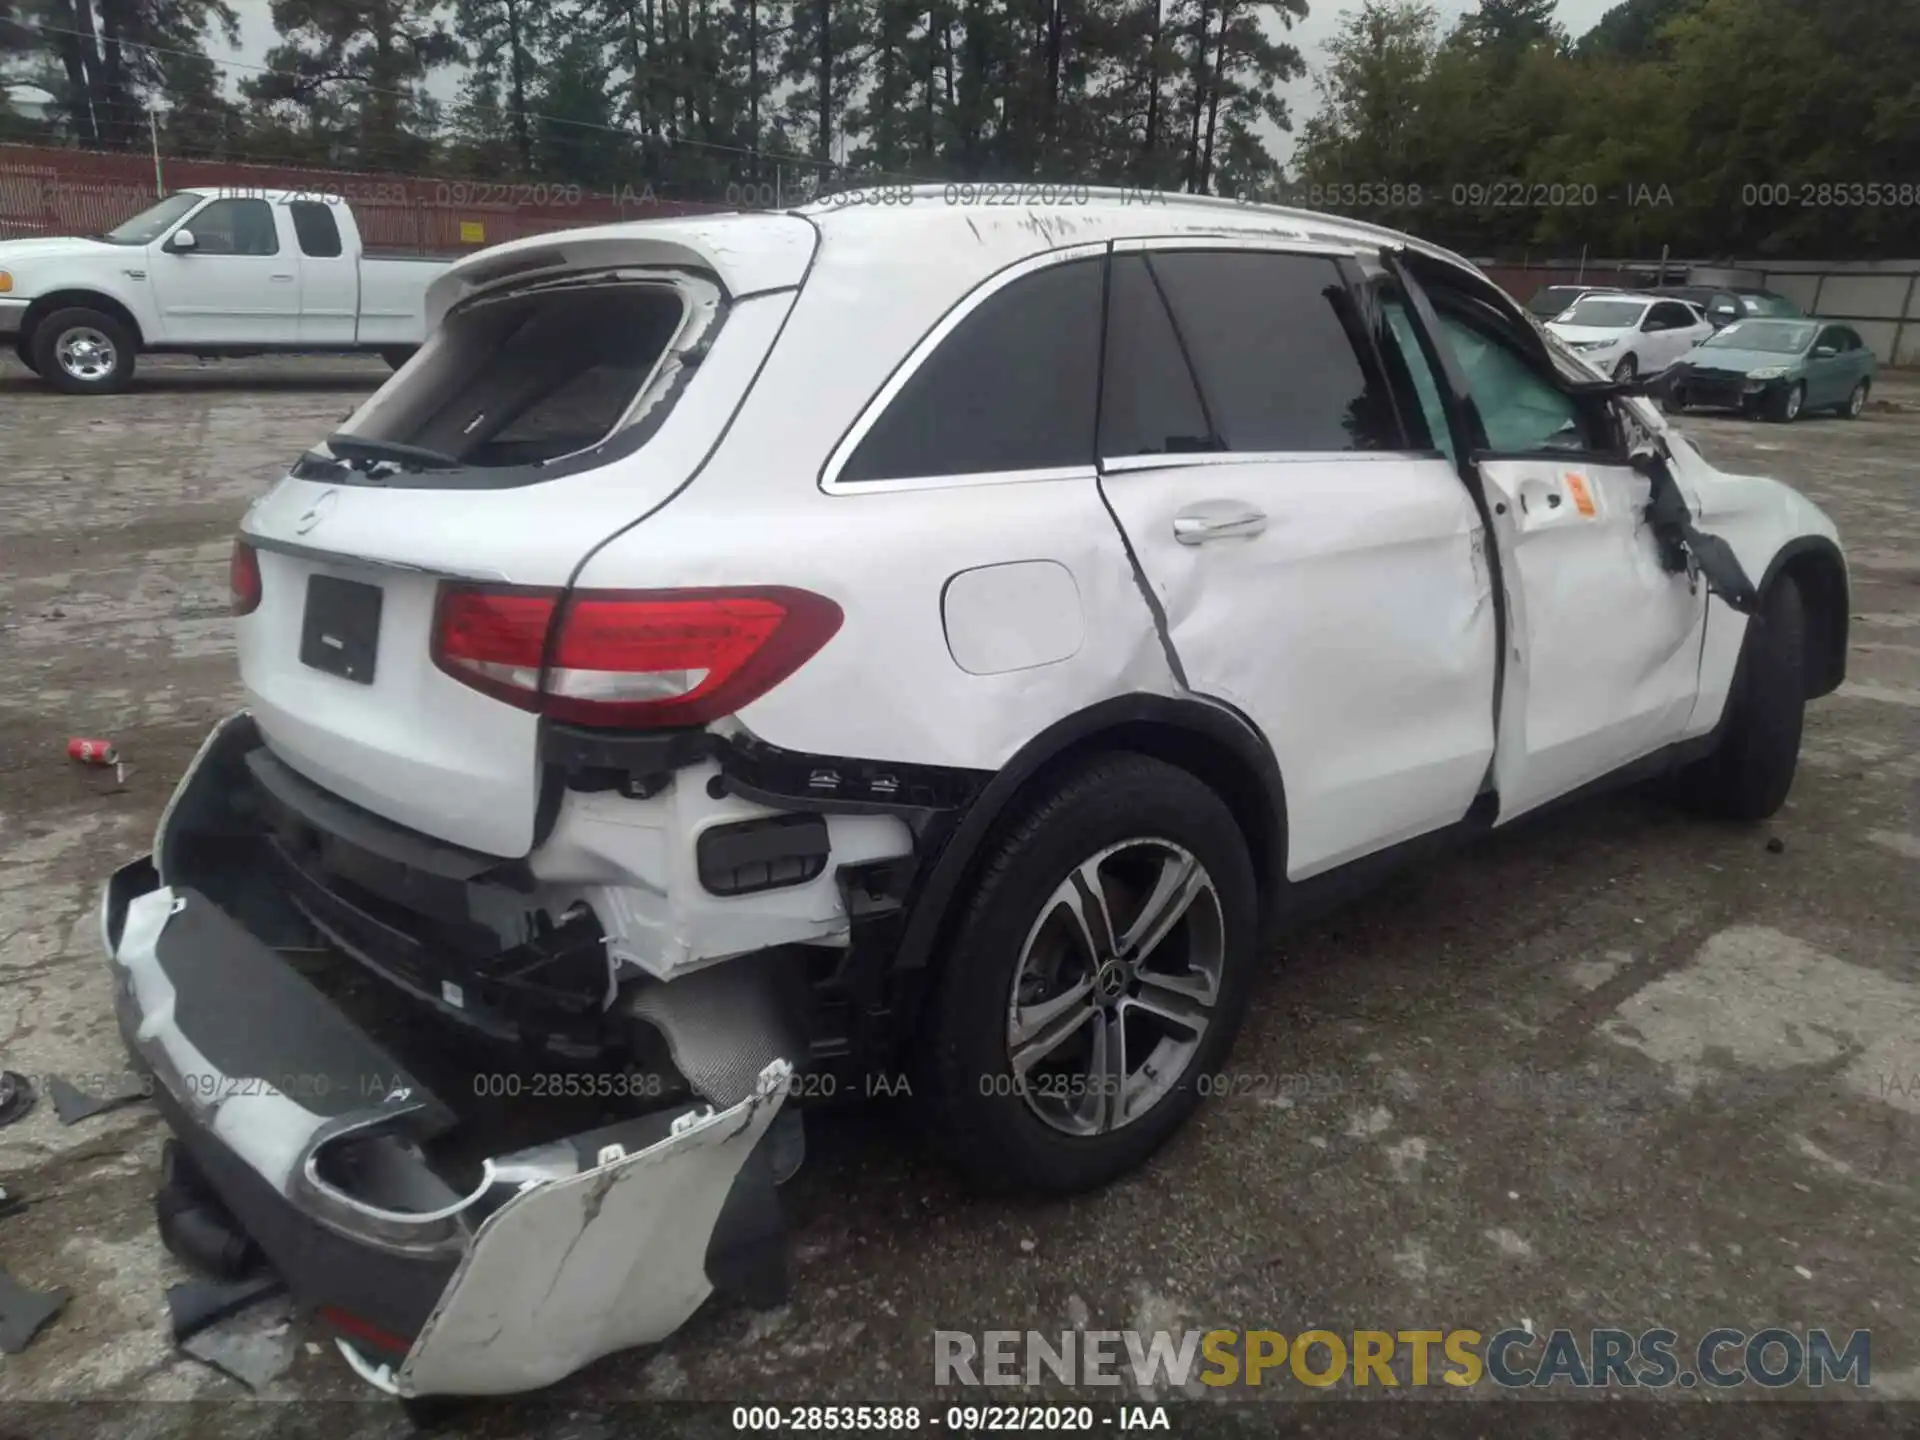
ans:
(1776, 846)
(24, 1312)
(73, 1105)
(243, 1330)
(193, 1305)
(16, 1096)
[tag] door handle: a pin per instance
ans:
(1218, 520)
(280, 277)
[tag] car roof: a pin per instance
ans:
(1067, 215)
(958, 235)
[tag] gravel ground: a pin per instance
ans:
(1619, 1067)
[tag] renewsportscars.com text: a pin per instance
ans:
(1722, 1358)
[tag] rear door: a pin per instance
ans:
(329, 275)
(1319, 564)
(1604, 643)
(1668, 332)
(239, 283)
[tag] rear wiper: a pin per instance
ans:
(407, 457)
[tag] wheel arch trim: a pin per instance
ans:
(69, 299)
(1816, 558)
(1207, 738)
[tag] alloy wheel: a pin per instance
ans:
(1116, 986)
(85, 354)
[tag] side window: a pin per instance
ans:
(1522, 410)
(1012, 388)
(1849, 340)
(1151, 405)
(235, 227)
(315, 228)
(1280, 351)
(1832, 337)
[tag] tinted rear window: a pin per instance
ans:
(1151, 405)
(530, 378)
(1012, 388)
(316, 229)
(1281, 354)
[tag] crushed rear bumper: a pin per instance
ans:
(441, 1266)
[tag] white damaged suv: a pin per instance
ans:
(743, 659)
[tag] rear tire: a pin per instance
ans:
(1674, 401)
(1129, 823)
(84, 352)
(25, 352)
(1851, 407)
(1748, 775)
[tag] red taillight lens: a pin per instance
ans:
(243, 575)
(494, 640)
(640, 658)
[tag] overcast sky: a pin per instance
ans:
(1323, 20)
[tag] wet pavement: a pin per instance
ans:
(1618, 1067)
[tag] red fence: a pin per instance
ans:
(50, 191)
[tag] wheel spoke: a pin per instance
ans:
(1182, 1000)
(1179, 881)
(1085, 898)
(1036, 1031)
(1108, 1072)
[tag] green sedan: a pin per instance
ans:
(1777, 368)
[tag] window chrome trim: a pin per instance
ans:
(869, 416)
(1125, 464)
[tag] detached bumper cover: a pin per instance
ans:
(313, 1135)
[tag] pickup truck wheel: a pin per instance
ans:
(25, 352)
(1750, 771)
(1096, 978)
(398, 355)
(83, 352)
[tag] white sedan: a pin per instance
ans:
(1627, 336)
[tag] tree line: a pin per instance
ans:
(1703, 127)
(690, 96)
(1707, 127)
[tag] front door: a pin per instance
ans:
(1604, 643)
(238, 284)
(1319, 564)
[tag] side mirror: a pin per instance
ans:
(182, 240)
(1825, 352)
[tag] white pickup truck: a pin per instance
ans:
(209, 272)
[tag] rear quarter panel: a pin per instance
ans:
(888, 685)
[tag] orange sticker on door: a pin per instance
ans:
(1582, 497)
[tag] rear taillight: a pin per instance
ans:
(243, 575)
(631, 658)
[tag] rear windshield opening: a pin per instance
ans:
(530, 378)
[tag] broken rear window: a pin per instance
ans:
(511, 388)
